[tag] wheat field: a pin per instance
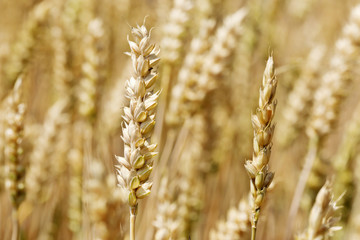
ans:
(179, 119)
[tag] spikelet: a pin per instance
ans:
(330, 93)
(133, 170)
(258, 168)
(185, 90)
(295, 112)
(175, 29)
(236, 225)
(322, 217)
(38, 176)
(91, 69)
(23, 48)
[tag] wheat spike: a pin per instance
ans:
(258, 168)
(133, 170)
(322, 217)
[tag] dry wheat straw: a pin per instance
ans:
(133, 170)
(236, 226)
(258, 168)
(23, 48)
(322, 217)
(327, 100)
(15, 177)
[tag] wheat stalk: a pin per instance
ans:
(258, 168)
(133, 170)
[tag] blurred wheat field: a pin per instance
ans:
(83, 124)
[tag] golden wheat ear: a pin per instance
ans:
(133, 170)
(258, 167)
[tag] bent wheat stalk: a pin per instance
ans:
(258, 168)
(134, 168)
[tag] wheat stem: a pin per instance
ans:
(15, 231)
(132, 222)
(253, 232)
